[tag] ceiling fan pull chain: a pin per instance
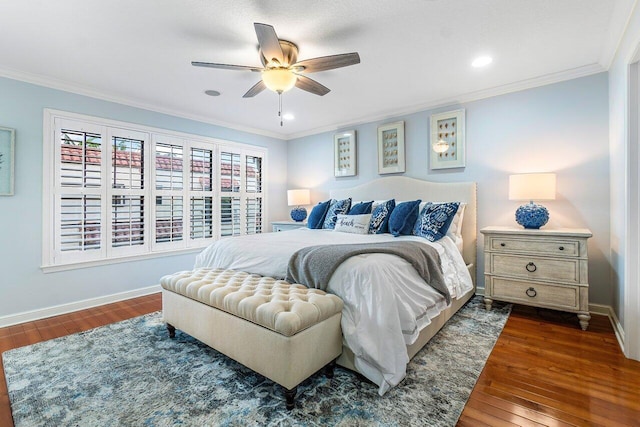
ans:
(280, 107)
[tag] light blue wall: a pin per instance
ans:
(620, 148)
(561, 128)
(23, 286)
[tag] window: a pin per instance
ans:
(115, 190)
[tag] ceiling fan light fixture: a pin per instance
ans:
(279, 79)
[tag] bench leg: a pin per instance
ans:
(172, 330)
(329, 369)
(290, 395)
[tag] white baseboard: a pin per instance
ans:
(607, 310)
(29, 316)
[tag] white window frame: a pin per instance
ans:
(54, 121)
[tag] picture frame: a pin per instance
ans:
(7, 148)
(391, 154)
(449, 127)
(345, 157)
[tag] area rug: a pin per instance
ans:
(131, 374)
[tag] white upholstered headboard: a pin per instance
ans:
(403, 188)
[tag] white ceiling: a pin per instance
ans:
(415, 54)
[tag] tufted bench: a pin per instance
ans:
(284, 331)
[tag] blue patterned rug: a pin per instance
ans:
(131, 374)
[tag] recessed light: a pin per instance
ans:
(288, 116)
(481, 61)
(212, 92)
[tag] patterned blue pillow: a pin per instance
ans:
(380, 217)
(361, 208)
(338, 207)
(316, 217)
(435, 219)
(403, 218)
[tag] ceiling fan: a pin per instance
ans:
(281, 69)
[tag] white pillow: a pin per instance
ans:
(356, 224)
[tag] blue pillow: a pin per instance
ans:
(316, 217)
(435, 219)
(338, 207)
(361, 208)
(403, 218)
(380, 217)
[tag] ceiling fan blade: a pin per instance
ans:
(269, 43)
(327, 62)
(310, 85)
(225, 66)
(256, 89)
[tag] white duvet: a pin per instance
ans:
(386, 302)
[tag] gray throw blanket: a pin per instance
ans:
(313, 266)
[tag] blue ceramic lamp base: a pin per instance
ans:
(298, 214)
(532, 215)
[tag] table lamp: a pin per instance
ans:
(296, 198)
(532, 186)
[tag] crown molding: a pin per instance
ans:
(53, 83)
(548, 79)
(618, 25)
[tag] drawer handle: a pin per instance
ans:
(531, 292)
(561, 248)
(503, 245)
(531, 267)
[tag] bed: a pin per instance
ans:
(390, 312)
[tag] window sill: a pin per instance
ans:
(131, 258)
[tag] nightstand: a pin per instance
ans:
(540, 268)
(287, 225)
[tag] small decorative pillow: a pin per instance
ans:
(339, 207)
(403, 218)
(455, 229)
(319, 211)
(357, 224)
(380, 217)
(434, 220)
(361, 208)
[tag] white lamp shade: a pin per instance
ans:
(299, 197)
(532, 186)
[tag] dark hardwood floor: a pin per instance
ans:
(543, 370)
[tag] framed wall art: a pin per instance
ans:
(7, 146)
(391, 148)
(447, 140)
(345, 155)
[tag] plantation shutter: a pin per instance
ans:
(79, 192)
(117, 190)
(253, 211)
(169, 209)
(230, 180)
(201, 196)
(128, 202)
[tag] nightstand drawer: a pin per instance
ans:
(566, 248)
(533, 268)
(531, 293)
